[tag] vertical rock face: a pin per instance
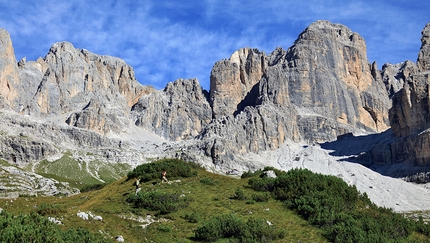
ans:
(232, 79)
(410, 114)
(96, 91)
(9, 76)
(318, 89)
(411, 105)
(330, 75)
(178, 112)
(424, 55)
(394, 76)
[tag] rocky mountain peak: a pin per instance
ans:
(9, 76)
(424, 54)
(341, 49)
(232, 79)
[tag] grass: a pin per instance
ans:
(208, 195)
(207, 201)
(80, 173)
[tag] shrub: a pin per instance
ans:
(262, 184)
(92, 187)
(207, 181)
(193, 217)
(239, 194)
(36, 228)
(173, 167)
(277, 172)
(164, 228)
(339, 210)
(249, 174)
(162, 202)
(49, 209)
(263, 197)
(230, 226)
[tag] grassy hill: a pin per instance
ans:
(200, 199)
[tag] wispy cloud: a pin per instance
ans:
(166, 40)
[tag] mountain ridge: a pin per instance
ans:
(319, 89)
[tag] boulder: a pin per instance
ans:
(268, 174)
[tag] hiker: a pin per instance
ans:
(163, 177)
(136, 183)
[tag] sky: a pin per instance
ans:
(167, 40)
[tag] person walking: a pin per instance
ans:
(163, 177)
(136, 183)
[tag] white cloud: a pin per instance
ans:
(164, 41)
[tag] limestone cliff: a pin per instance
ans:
(319, 88)
(178, 112)
(9, 76)
(410, 114)
(94, 91)
(232, 80)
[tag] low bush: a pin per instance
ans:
(262, 184)
(208, 181)
(164, 228)
(174, 167)
(36, 228)
(249, 174)
(339, 210)
(239, 194)
(92, 187)
(162, 202)
(193, 217)
(230, 226)
(258, 173)
(261, 197)
(49, 209)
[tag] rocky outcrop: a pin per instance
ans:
(318, 89)
(330, 75)
(410, 112)
(22, 150)
(424, 54)
(409, 115)
(9, 76)
(96, 91)
(233, 79)
(15, 182)
(411, 105)
(178, 112)
(394, 76)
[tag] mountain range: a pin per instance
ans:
(319, 104)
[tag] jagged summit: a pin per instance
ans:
(424, 54)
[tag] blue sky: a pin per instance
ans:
(167, 40)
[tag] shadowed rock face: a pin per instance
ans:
(410, 114)
(424, 54)
(232, 80)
